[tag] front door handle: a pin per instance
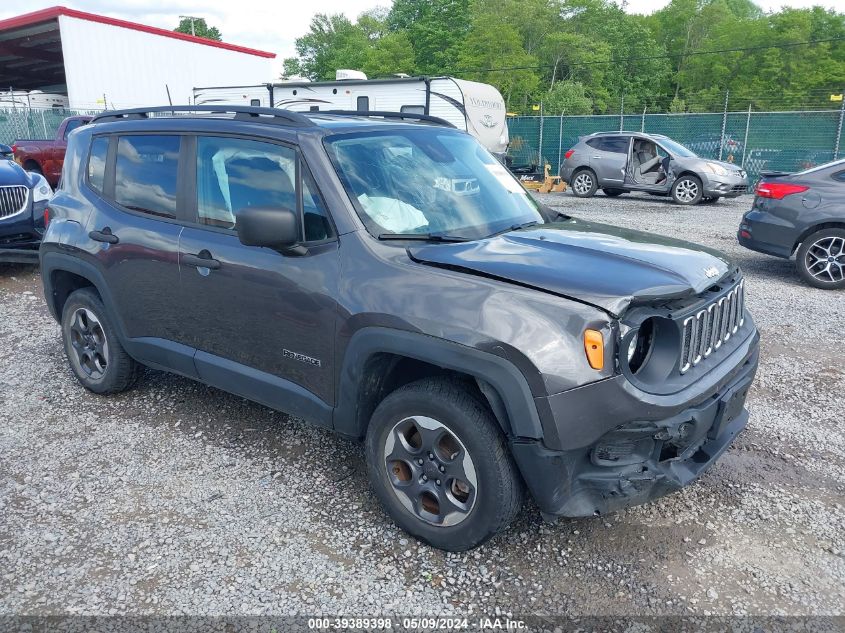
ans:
(105, 235)
(203, 259)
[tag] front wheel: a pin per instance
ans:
(439, 465)
(687, 190)
(584, 183)
(821, 259)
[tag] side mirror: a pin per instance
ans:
(273, 227)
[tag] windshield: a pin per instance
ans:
(429, 182)
(677, 148)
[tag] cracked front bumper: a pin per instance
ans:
(638, 459)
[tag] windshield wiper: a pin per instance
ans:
(515, 227)
(423, 237)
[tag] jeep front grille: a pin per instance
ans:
(12, 200)
(713, 325)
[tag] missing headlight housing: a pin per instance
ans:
(640, 346)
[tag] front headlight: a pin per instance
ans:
(717, 169)
(42, 190)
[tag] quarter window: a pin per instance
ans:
(97, 163)
(234, 174)
(315, 220)
(145, 174)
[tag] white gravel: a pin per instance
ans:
(176, 498)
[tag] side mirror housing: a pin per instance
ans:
(273, 227)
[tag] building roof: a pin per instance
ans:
(53, 13)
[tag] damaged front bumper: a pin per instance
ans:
(639, 459)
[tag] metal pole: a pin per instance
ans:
(540, 144)
(745, 143)
(642, 125)
(724, 124)
(839, 129)
(560, 141)
(622, 112)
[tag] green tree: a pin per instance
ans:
(198, 27)
(567, 97)
(436, 29)
(332, 42)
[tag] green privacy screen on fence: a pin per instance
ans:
(759, 141)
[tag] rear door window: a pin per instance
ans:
(145, 174)
(613, 144)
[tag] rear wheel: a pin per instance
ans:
(584, 183)
(821, 259)
(96, 356)
(33, 167)
(440, 466)
(710, 200)
(613, 192)
(687, 189)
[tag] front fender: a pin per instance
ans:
(500, 374)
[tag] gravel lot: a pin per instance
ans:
(176, 498)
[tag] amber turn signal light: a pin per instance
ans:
(594, 348)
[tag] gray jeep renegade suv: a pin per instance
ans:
(384, 276)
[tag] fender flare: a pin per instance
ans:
(52, 261)
(509, 386)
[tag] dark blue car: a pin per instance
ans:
(23, 202)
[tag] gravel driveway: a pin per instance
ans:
(176, 498)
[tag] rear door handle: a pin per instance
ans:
(203, 259)
(105, 235)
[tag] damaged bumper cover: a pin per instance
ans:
(656, 449)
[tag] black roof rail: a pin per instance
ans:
(276, 116)
(386, 115)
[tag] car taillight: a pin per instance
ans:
(46, 217)
(778, 190)
(14, 148)
(569, 153)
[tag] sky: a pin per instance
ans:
(272, 25)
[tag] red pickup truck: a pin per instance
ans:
(46, 156)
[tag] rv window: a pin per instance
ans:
(363, 104)
(314, 109)
(415, 109)
(255, 102)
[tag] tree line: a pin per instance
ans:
(590, 56)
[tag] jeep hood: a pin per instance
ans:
(605, 266)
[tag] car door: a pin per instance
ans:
(262, 321)
(133, 239)
(608, 158)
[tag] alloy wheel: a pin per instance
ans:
(686, 190)
(430, 470)
(583, 183)
(89, 343)
(825, 259)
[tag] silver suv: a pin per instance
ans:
(621, 162)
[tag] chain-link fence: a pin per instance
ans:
(758, 141)
(33, 123)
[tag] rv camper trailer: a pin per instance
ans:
(475, 107)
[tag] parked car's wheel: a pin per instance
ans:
(687, 189)
(710, 200)
(821, 259)
(33, 167)
(96, 356)
(584, 183)
(440, 466)
(613, 192)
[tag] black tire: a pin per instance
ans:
(687, 189)
(584, 183)
(710, 200)
(829, 245)
(497, 496)
(34, 168)
(97, 359)
(613, 192)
